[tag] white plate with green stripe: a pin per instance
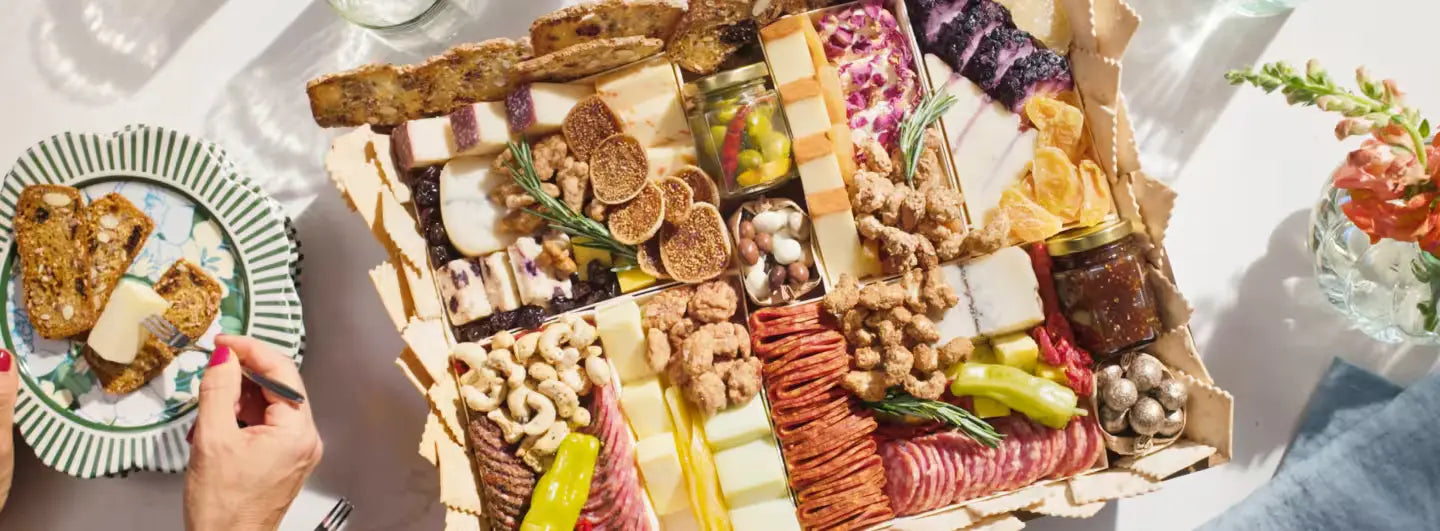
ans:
(204, 212)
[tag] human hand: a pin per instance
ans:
(9, 385)
(245, 478)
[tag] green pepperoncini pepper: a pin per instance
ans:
(562, 491)
(1042, 400)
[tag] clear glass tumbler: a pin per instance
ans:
(385, 14)
(1263, 8)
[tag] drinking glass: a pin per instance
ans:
(385, 14)
(1264, 8)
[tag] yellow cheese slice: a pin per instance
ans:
(751, 473)
(771, 515)
(118, 334)
(644, 406)
(799, 89)
(828, 201)
(821, 174)
(789, 59)
(618, 322)
(807, 117)
(840, 247)
(737, 425)
(659, 462)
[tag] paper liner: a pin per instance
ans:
(1209, 417)
(444, 399)
(400, 232)
(1174, 309)
(1098, 76)
(1156, 201)
(1004, 522)
(356, 178)
(463, 521)
(1101, 122)
(458, 488)
(1161, 464)
(953, 518)
(410, 365)
(1108, 485)
(1014, 501)
(1081, 14)
(426, 338)
(390, 287)
(1127, 153)
(1176, 349)
(430, 437)
(1115, 24)
(1056, 502)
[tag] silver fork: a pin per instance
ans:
(337, 516)
(172, 336)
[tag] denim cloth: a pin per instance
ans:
(1366, 456)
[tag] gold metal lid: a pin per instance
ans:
(730, 78)
(1086, 238)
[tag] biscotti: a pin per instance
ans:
(118, 231)
(51, 234)
(194, 302)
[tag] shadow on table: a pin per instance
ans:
(1281, 328)
(1174, 79)
(97, 52)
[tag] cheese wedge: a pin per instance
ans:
(1004, 292)
(737, 425)
(480, 128)
(117, 334)
(618, 322)
(470, 217)
(751, 473)
(539, 108)
(631, 86)
(423, 142)
(659, 462)
(959, 320)
(668, 159)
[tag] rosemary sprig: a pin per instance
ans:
(1379, 103)
(555, 211)
(903, 404)
(912, 130)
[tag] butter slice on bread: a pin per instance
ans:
(118, 232)
(194, 303)
(51, 235)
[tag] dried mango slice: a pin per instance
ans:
(1029, 222)
(1097, 202)
(1058, 124)
(1057, 188)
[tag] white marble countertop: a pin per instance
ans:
(1247, 167)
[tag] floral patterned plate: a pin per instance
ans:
(204, 212)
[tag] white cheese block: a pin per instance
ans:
(636, 84)
(989, 151)
(1004, 292)
(499, 282)
(644, 405)
(751, 473)
(659, 461)
(534, 284)
(666, 160)
(118, 334)
(807, 117)
(737, 425)
(840, 247)
(541, 107)
(480, 128)
(821, 173)
(463, 291)
(618, 323)
(471, 218)
(771, 515)
(424, 142)
(656, 121)
(789, 58)
(958, 321)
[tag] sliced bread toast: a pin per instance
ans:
(50, 232)
(194, 303)
(118, 231)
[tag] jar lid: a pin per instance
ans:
(730, 78)
(1086, 238)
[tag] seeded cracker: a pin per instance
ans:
(194, 302)
(118, 231)
(585, 59)
(51, 232)
(603, 20)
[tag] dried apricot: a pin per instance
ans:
(1096, 187)
(1056, 186)
(1029, 222)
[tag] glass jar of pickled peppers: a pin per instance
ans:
(1101, 284)
(746, 144)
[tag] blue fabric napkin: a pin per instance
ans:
(1366, 456)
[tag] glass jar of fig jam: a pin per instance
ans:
(1101, 285)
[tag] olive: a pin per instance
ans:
(799, 273)
(750, 159)
(777, 276)
(749, 253)
(747, 229)
(775, 146)
(726, 113)
(435, 234)
(427, 193)
(717, 135)
(757, 125)
(763, 241)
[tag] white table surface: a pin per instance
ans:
(1247, 167)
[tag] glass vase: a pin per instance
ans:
(1374, 285)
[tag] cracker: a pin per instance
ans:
(586, 59)
(354, 176)
(377, 153)
(1096, 76)
(462, 521)
(445, 400)
(1209, 417)
(1156, 201)
(1081, 14)
(1166, 461)
(1108, 485)
(1123, 192)
(1101, 122)
(1115, 24)
(1174, 309)
(604, 19)
(458, 488)
(426, 338)
(1004, 522)
(1176, 349)
(430, 437)
(400, 231)
(947, 520)
(1056, 502)
(387, 283)
(1010, 502)
(710, 33)
(420, 291)
(410, 365)
(1127, 153)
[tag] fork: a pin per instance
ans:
(173, 337)
(337, 516)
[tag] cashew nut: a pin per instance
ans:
(525, 347)
(550, 340)
(502, 339)
(479, 375)
(512, 430)
(594, 350)
(598, 370)
(483, 401)
(548, 443)
(582, 334)
(544, 411)
(501, 361)
(471, 354)
(571, 378)
(569, 356)
(566, 401)
(541, 371)
(581, 417)
(515, 402)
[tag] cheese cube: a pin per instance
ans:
(469, 215)
(644, 405)
(423, 142)
(789, 58)
(636, 84)
(751, 473)
(988, 408)
(771, 515)
(659, 462)
(821, 173)
(807, 117)
(737, 425)
(618, 323)
(1004, 291)
(1052, 373)
(535, 285)
(539, 108)
(480, 128)
(499, 282)
(1017, 350)
(116, 336)
(668, 159)
(633, 279)
(840, 247)
(463, 291)
(584, 255)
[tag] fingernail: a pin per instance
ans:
(6, 359)
(219, 356)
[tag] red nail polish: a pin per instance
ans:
(219, 356)
(6, 359)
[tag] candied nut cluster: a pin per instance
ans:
(689, 336)
(892, 336)
(914, 226)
